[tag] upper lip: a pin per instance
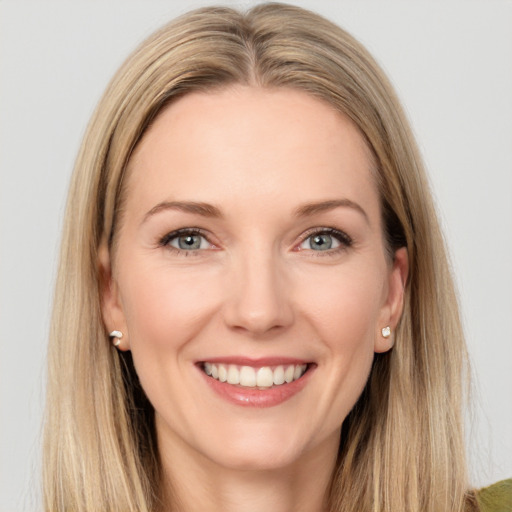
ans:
(256, 362)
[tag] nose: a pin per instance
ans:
(259, 294)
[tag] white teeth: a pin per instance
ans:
(223, 373)
(288, 374)
(247, 376)
(279, 376)
(265, 377)
(233, 375)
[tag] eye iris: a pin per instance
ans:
(321, 242)
(188, 242)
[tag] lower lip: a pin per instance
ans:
(254, 397)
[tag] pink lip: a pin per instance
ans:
(256, 363)
(254, 397)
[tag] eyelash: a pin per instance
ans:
(342, 237)
(167, 239)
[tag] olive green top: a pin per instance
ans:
(496, 497)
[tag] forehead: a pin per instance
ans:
(251, 144)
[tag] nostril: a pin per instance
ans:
(258, 318)
(258, 300)
(259, 329)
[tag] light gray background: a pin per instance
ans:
(452, 65)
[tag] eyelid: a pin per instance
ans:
(166, 239)
(344, 239)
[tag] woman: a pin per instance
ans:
(254, 309)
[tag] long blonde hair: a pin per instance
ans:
(402, 446)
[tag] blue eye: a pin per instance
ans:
(325, 240)
(188, 242)
(185, 240)
(320, 242)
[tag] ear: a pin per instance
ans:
(394, 304)
(111, 309)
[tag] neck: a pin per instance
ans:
(194, 483)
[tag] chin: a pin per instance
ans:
(261, 457)
(262, 447)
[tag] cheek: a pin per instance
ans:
(345, 316)
(344, 304)
(164, 308)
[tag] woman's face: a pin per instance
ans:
(251, 250)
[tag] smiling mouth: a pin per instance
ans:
(264, 377)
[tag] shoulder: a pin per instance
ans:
(496, 497)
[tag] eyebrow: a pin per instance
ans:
(209, 210)
(203, 209)
(323, 206)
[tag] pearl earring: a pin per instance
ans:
(117, 335)
(386, 332)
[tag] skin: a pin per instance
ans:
(256, 287)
